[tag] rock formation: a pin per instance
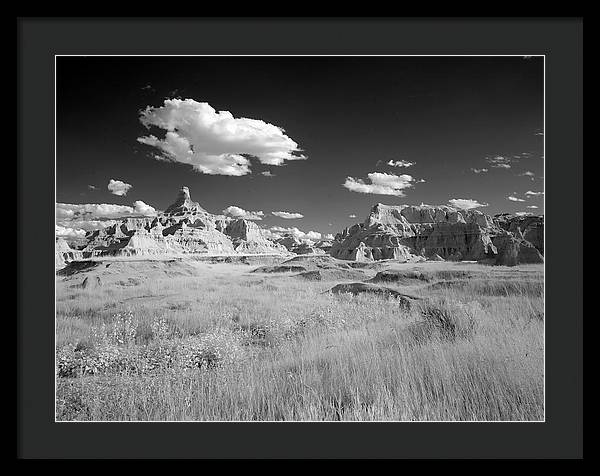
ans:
(528, 227)
(249, 238)
(63, 253)
(404, 232)
(184, 205)
(405, 300)
(184, 227)
(441, 233)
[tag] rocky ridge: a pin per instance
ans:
(441, 232)
(405, 233)
(184, 227)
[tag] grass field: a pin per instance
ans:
(188, 340)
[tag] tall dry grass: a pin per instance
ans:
(472, 350)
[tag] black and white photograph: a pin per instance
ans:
(300, 238)
(334, 238)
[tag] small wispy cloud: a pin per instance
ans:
(532, 206)
(400, 163)
(118, 187)
(267, 173)
(529, 174)
(237, 212)
(92, 187)
(479, 171)
(533, 194)
(352, 216)
(466, 203)
(288, 215)
(512, 198)
(499, 162)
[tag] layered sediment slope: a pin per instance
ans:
(64, 253)
(441, 232)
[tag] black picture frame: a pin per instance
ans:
(560, 40)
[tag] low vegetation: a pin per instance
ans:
(223, 343)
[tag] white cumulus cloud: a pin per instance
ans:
(352, 216)
(466, 203)
(237, 212)
(101, 210)
(277, 232)
(213, 142)
(142, 208)
(71, 233)
(288, 215)
(118, 187)
(381, 184)
(88, 225)
(93, 216)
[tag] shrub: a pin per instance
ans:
(447, 319)
(160, 328)
(211, 350)
(74, 362)
(121, 330)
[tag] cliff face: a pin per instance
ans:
(247, 237)
(405, 232)
(184, 227)
(528, 227)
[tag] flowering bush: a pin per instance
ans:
(211, 350)
(109, 354)
(68, 362)
(121, 331)
(156, 357)
(71, 362)
(160, 328)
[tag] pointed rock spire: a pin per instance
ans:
(184, 203)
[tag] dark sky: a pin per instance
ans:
(349, 115)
